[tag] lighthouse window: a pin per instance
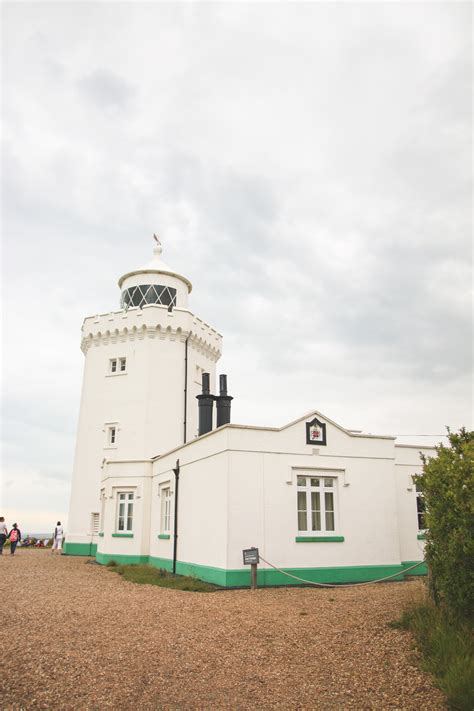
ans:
(139, 296)
(117, 366)
(316, 504)
(125, 511)
(111, 435)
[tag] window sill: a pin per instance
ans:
(319, 539)
(111, 446)
(122, 535)
(113, 375)
(421, 536)
(164, 536)
(101, 535)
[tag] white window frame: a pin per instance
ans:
(95, 523)
(111, 430)
(102, 511)
(323, 488)
(419, 497)
(127, 498)
(117, 366)
(165, 508)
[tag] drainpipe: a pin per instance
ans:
(176, 491)
(185, 388)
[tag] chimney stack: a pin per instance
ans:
(206, 404)
(223, 402)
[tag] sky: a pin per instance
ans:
(306, 165)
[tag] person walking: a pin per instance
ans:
(3, 533)
(15, 537)
(58, 538)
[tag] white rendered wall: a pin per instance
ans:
(263, 500)
(408, 464)
(125, 476)
(202, 524)
(145, 404)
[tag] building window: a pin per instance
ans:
(112, 435)
(117, 365)
(165, 524)
(95, 519)
(316, 499)
(420, 508)
(125, 512)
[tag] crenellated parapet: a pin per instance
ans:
(155, 322)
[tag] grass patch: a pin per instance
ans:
(147, 575)
(447, 646)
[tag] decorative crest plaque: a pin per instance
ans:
(316, 432)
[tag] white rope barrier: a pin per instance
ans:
(348, 585)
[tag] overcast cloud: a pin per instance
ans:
(308, 168)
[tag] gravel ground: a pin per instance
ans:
(83, 638)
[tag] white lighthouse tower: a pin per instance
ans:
(143, 370)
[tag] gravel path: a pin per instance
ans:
(83, 638)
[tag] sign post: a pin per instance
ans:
(252, 558)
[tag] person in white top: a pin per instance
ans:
(58, 538)
(3, 533)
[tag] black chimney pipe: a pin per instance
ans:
(206, 404)
(223, 402)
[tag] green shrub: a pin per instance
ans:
(447, 647)
(447, 484)
(111, 564)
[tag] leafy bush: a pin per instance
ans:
(448, 651)
(447, 486)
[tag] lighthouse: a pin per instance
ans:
(143, 368)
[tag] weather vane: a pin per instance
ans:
(157, 239)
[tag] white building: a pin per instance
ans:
(319, 501)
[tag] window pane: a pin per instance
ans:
(301, 501)
(329, 521)
(123, 363)
(113, 366)
(315, 501)
(302, 521)
(130, 496)
(328, 482)
(314, 482)
(315, 511)
(301, 481)
(122, 497)
(329, 501)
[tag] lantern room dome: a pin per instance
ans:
(154, 283)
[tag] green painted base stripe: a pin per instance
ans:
(319, 539)
(269, 577)
(80, 548)
(164, 536)
(104, 558)
(122, 535)
(420, 570)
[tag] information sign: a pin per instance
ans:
(251, 556)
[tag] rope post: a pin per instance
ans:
(254, 576)
(251, 558)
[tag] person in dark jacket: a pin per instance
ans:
(15, 537)
(3, 533)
